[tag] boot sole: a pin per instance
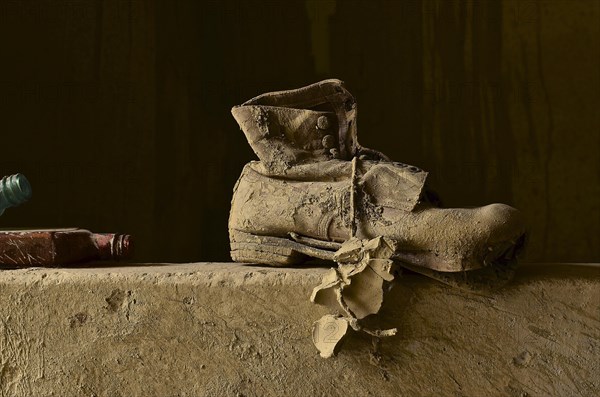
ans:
(279, 251)
(274, 251)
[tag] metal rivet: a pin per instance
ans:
(349, 105)
(414, 169)
(328, 142)
(323, 123)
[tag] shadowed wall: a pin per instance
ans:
(118, 111)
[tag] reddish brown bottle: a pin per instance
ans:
(60, 247)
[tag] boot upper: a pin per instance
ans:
(305, 184)
(309, 124)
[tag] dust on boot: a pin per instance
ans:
(315, 187)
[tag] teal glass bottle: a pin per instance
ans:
(14, 190)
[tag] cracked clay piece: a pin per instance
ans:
(353, 291)
(355, 288)
(327, 333)
(315, 187)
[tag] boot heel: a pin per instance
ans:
(267, 250)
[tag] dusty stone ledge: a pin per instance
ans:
(220, 329)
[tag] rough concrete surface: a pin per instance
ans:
(209, 329)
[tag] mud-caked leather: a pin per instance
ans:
(315, 187)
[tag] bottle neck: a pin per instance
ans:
(14, 190)
(113, 246)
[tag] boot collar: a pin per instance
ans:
(329, 95)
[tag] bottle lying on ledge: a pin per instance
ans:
(60, 247)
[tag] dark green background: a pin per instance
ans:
(118, 111)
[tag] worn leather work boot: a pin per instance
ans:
(315, 187)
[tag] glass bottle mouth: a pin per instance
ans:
(120, 246)
(14, 190)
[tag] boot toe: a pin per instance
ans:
(502, 234)
(468, 239)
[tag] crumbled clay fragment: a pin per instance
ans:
(364, 295)
(355, 290)
(384, 268)
(324, 294)
(350, 251)
(362, 269)
(327, 333)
